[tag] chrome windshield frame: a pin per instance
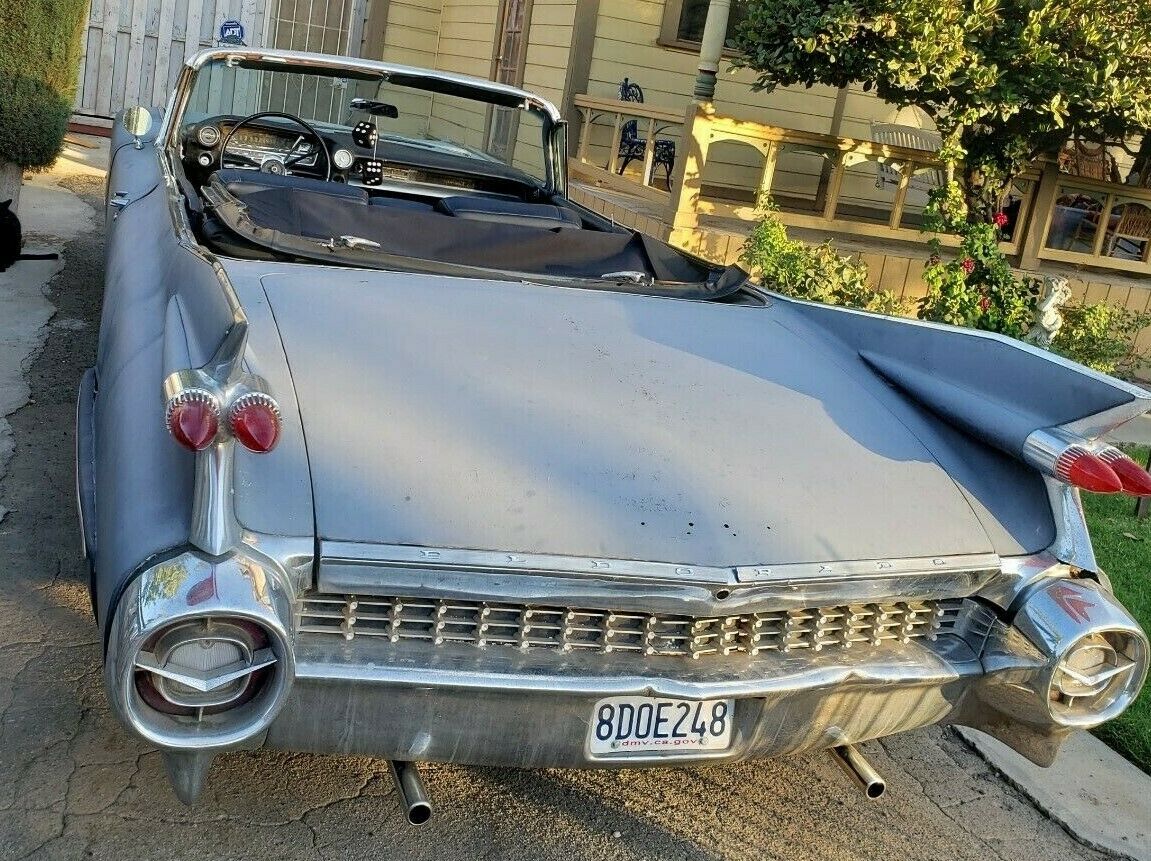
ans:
(554, 143)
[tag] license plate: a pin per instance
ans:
(628, 725)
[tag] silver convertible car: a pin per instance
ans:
(391, 449)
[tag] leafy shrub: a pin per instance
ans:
(817, 273)
(977, 288)
(1102, 337)
(39, 57)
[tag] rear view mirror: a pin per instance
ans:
(376, 109)
(137, 122)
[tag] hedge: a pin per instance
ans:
(39, 59)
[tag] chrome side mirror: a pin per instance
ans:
(137, 122)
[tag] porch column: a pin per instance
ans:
(711, 47)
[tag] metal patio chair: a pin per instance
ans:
(632, 147)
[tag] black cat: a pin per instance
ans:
(11, 240)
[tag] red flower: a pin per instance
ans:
(968, 265)
(1000, 219)
(984, 304)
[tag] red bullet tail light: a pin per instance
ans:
(1084, 469)
(254, 419)
(1135, 479)
(1071, 459)
(193, 419)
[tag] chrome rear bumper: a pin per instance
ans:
(377, 699)
(459, 702)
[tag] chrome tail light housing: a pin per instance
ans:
(1097, 677)
(1096, 653)
(199, 651)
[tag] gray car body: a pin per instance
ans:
(511, 416)
(721, 443)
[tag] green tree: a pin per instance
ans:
(1004, 80)
(39, 57)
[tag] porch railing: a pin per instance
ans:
(696, 202)
(597, 115)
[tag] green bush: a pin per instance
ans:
(39, 57)
(817, 273)
(1102, 337)
(977, 288)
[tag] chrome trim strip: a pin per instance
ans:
(85, 463)
(342, 553)
(1094, 426)
(1072, 542)
(866, 569)
(920, 663)
(628, 585)
(215, 529)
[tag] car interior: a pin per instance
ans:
(272, 186)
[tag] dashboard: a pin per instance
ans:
(264, 143)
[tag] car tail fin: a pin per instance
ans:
(1025, 401)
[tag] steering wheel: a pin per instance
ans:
(315, 145)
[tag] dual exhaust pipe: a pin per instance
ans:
(413, 795)
(417, 806)
(852, 761)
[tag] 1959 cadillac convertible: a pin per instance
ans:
(392, 449)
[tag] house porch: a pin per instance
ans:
(868, 197)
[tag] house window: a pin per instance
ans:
(683, 21)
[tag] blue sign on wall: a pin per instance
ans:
(232, 33)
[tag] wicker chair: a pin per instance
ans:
(1080, 158)
(1133, 226)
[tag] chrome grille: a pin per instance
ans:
(484, 624)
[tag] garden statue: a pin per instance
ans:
(1048, 320)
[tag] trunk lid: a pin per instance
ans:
(460, 413)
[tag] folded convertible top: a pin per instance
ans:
(327, 228)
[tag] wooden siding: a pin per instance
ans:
(626, 46)
(467, 36)
(549, 48)
(411, 37)
(466, 45)
(412, 34)
(133, 49)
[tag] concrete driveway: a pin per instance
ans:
(74, 785)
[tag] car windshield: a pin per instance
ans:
(428, 120)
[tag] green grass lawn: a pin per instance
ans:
(1128, 563)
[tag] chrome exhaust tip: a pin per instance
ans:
(410, 788)
(852, 761)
